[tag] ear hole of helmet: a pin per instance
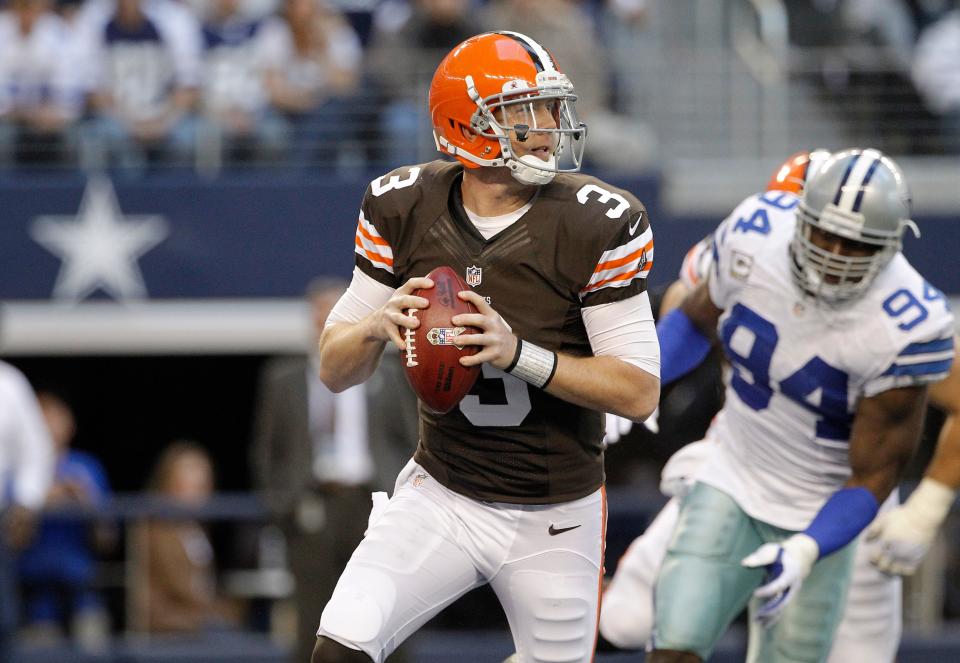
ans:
(468, 133)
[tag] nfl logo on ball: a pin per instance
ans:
(474, 274)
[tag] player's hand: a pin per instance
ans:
(787, 565)
(616, 427)
(391, 319)
(904, 535)
(499, 345)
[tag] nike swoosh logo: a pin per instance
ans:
(634, 226)
(554, 531)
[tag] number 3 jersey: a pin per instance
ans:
(581, 243)
(799, 368)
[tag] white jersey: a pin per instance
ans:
(26, 450)
(799, 369)
(33, 69)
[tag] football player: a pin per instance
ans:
(832, 338)
(870, 629)
(507, 488)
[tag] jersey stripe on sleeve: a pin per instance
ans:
(918, 363)
(372, 246)
(620, 266)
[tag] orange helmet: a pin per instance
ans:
(793, 174)
(488, 90)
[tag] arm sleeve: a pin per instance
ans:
(625, 329)
(364, 296)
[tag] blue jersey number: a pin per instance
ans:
(780, 200)
(907, 309)
(758, 222)
(817, 386)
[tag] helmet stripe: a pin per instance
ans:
(863, 185)
(541, 58)
(858, 173)
(846, 176)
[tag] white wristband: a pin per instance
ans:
(930, 502)
(533, 364)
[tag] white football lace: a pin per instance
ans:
(411, 343)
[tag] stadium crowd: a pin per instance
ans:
(132, 83)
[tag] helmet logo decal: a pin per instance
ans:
(516, 84)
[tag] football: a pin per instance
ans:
(431, 354)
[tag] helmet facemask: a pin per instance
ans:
(518, 112)
(829, 275)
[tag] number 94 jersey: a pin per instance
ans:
(799, 368)
(581, 243)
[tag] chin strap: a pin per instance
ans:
(525, 170)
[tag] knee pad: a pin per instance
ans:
(561, 609)
(355, 614)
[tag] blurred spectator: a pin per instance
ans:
(928, 12)
(317, 455)
(57, 571)
(616, 142)
(237, 123)
(404, 51)
(26, 464)
(311, 61)
(631, 33)
(145, 68)
(40, 97)
(936, 74)
(175, 587)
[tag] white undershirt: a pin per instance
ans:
(488, 226)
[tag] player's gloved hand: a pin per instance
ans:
(787, 564)
(616, 427)
(904, 534)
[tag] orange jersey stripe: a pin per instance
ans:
(618, 277)
(610, 264)
(376, 240)
(373, 257)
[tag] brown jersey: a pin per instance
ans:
(582, 243)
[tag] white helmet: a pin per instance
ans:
(859, 195)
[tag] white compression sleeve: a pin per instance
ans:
(364, 296)
(625, 330)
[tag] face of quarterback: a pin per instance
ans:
(543, 114)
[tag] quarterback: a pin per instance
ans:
(832, 338)
(869, 631)
(507, 488)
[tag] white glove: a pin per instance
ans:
(788, 564)
(652, 422)
(616, 427)
(904, 535)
